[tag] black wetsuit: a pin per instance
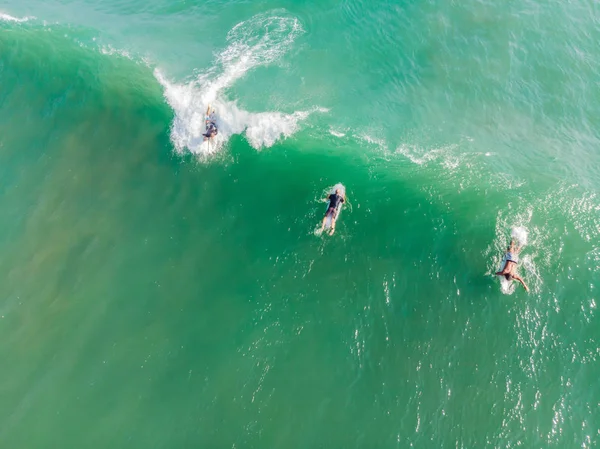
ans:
(334, 200)
(211, 130)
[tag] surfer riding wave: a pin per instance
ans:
(211, 124)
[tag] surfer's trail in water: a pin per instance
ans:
(161, 291)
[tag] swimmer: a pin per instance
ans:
(510, 267)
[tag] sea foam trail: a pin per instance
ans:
(8, 18)
(259, 41)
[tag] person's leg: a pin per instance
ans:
(324, 221)
(330, 212)
(332, 225)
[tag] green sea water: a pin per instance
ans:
(160, 292)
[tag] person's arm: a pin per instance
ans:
(518, 278)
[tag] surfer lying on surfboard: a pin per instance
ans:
(510, 267)
(211, 124)
(335, 201)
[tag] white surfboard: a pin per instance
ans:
(340, 205)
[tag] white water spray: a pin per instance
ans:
(259, 41)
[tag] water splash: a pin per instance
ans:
(259, 41)
(519, 234)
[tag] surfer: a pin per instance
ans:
(335, 199)
(211, 124)
(510, 267)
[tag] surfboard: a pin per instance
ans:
(340, 205)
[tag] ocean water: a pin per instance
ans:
(160, 292)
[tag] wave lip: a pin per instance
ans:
(261, 129)
(8, 18)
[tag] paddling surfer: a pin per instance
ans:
(510, 267)
(334, 199)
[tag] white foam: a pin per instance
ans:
(266, 128)
(111, 51)
(506, 287)
(8, 18)
(336, 133)
(262, 129)
(373, 141)
(259, 41)
(519, 233)
(422, 156)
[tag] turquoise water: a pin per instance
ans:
(161, 292)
